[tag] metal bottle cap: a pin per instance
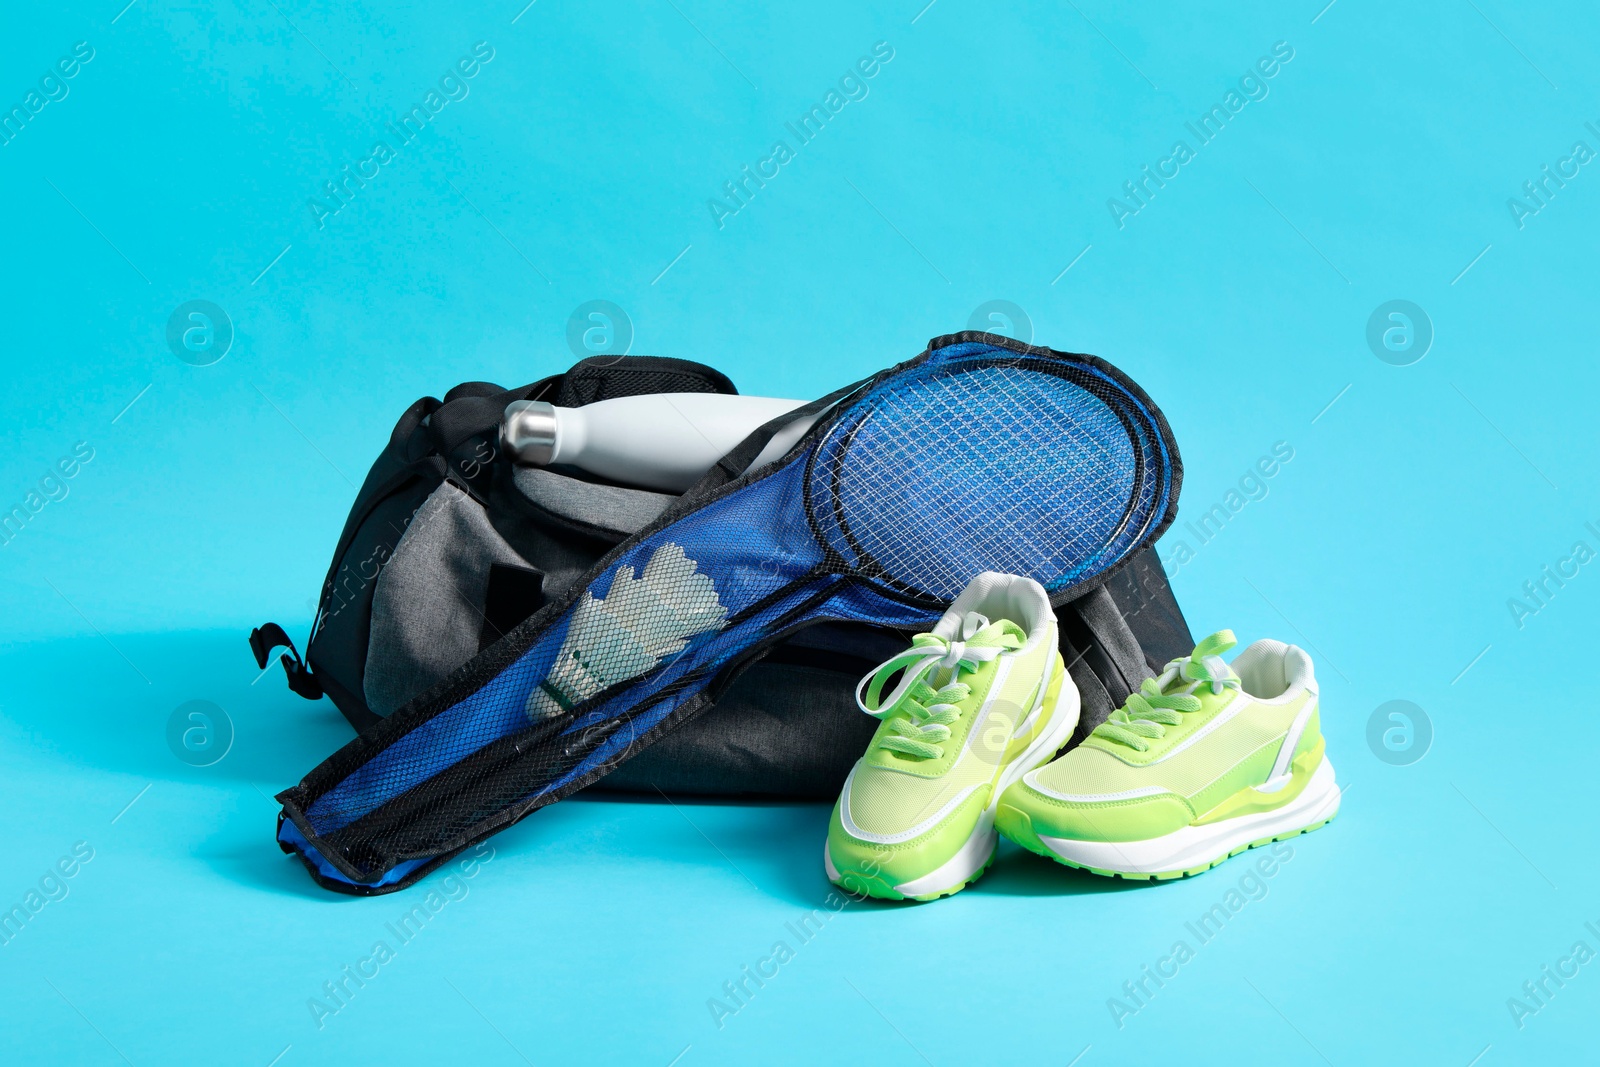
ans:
(529, 432)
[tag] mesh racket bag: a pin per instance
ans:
(979, 454)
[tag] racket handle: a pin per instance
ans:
(657, 441)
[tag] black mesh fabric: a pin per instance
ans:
(607, 377)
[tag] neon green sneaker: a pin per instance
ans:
(978, 705)
(1199, 765)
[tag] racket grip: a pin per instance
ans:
(656, 441)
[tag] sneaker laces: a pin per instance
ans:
(930, 712)
(1148, 712)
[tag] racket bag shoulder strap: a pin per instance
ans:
(452, 440)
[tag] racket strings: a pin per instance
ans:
(994, 467)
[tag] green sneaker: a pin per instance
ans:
(978, 705)
(1199, 765)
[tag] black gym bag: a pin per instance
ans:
(450, 545)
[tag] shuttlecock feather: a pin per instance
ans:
(641, 620)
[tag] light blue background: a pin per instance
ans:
(978, 167)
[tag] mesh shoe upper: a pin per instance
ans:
(893, 794)
(1149, 770)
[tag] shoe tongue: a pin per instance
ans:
(1002, 632)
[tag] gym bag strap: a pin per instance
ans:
(1102, 654)
(979, 454)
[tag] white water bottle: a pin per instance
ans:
(657, 441)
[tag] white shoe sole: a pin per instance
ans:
(973, 856)
(1196, 848)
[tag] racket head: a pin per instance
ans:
(987, 454)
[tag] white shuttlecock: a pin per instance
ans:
(607, 649)
(642, 620)
(690, 596)
(668, 604)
